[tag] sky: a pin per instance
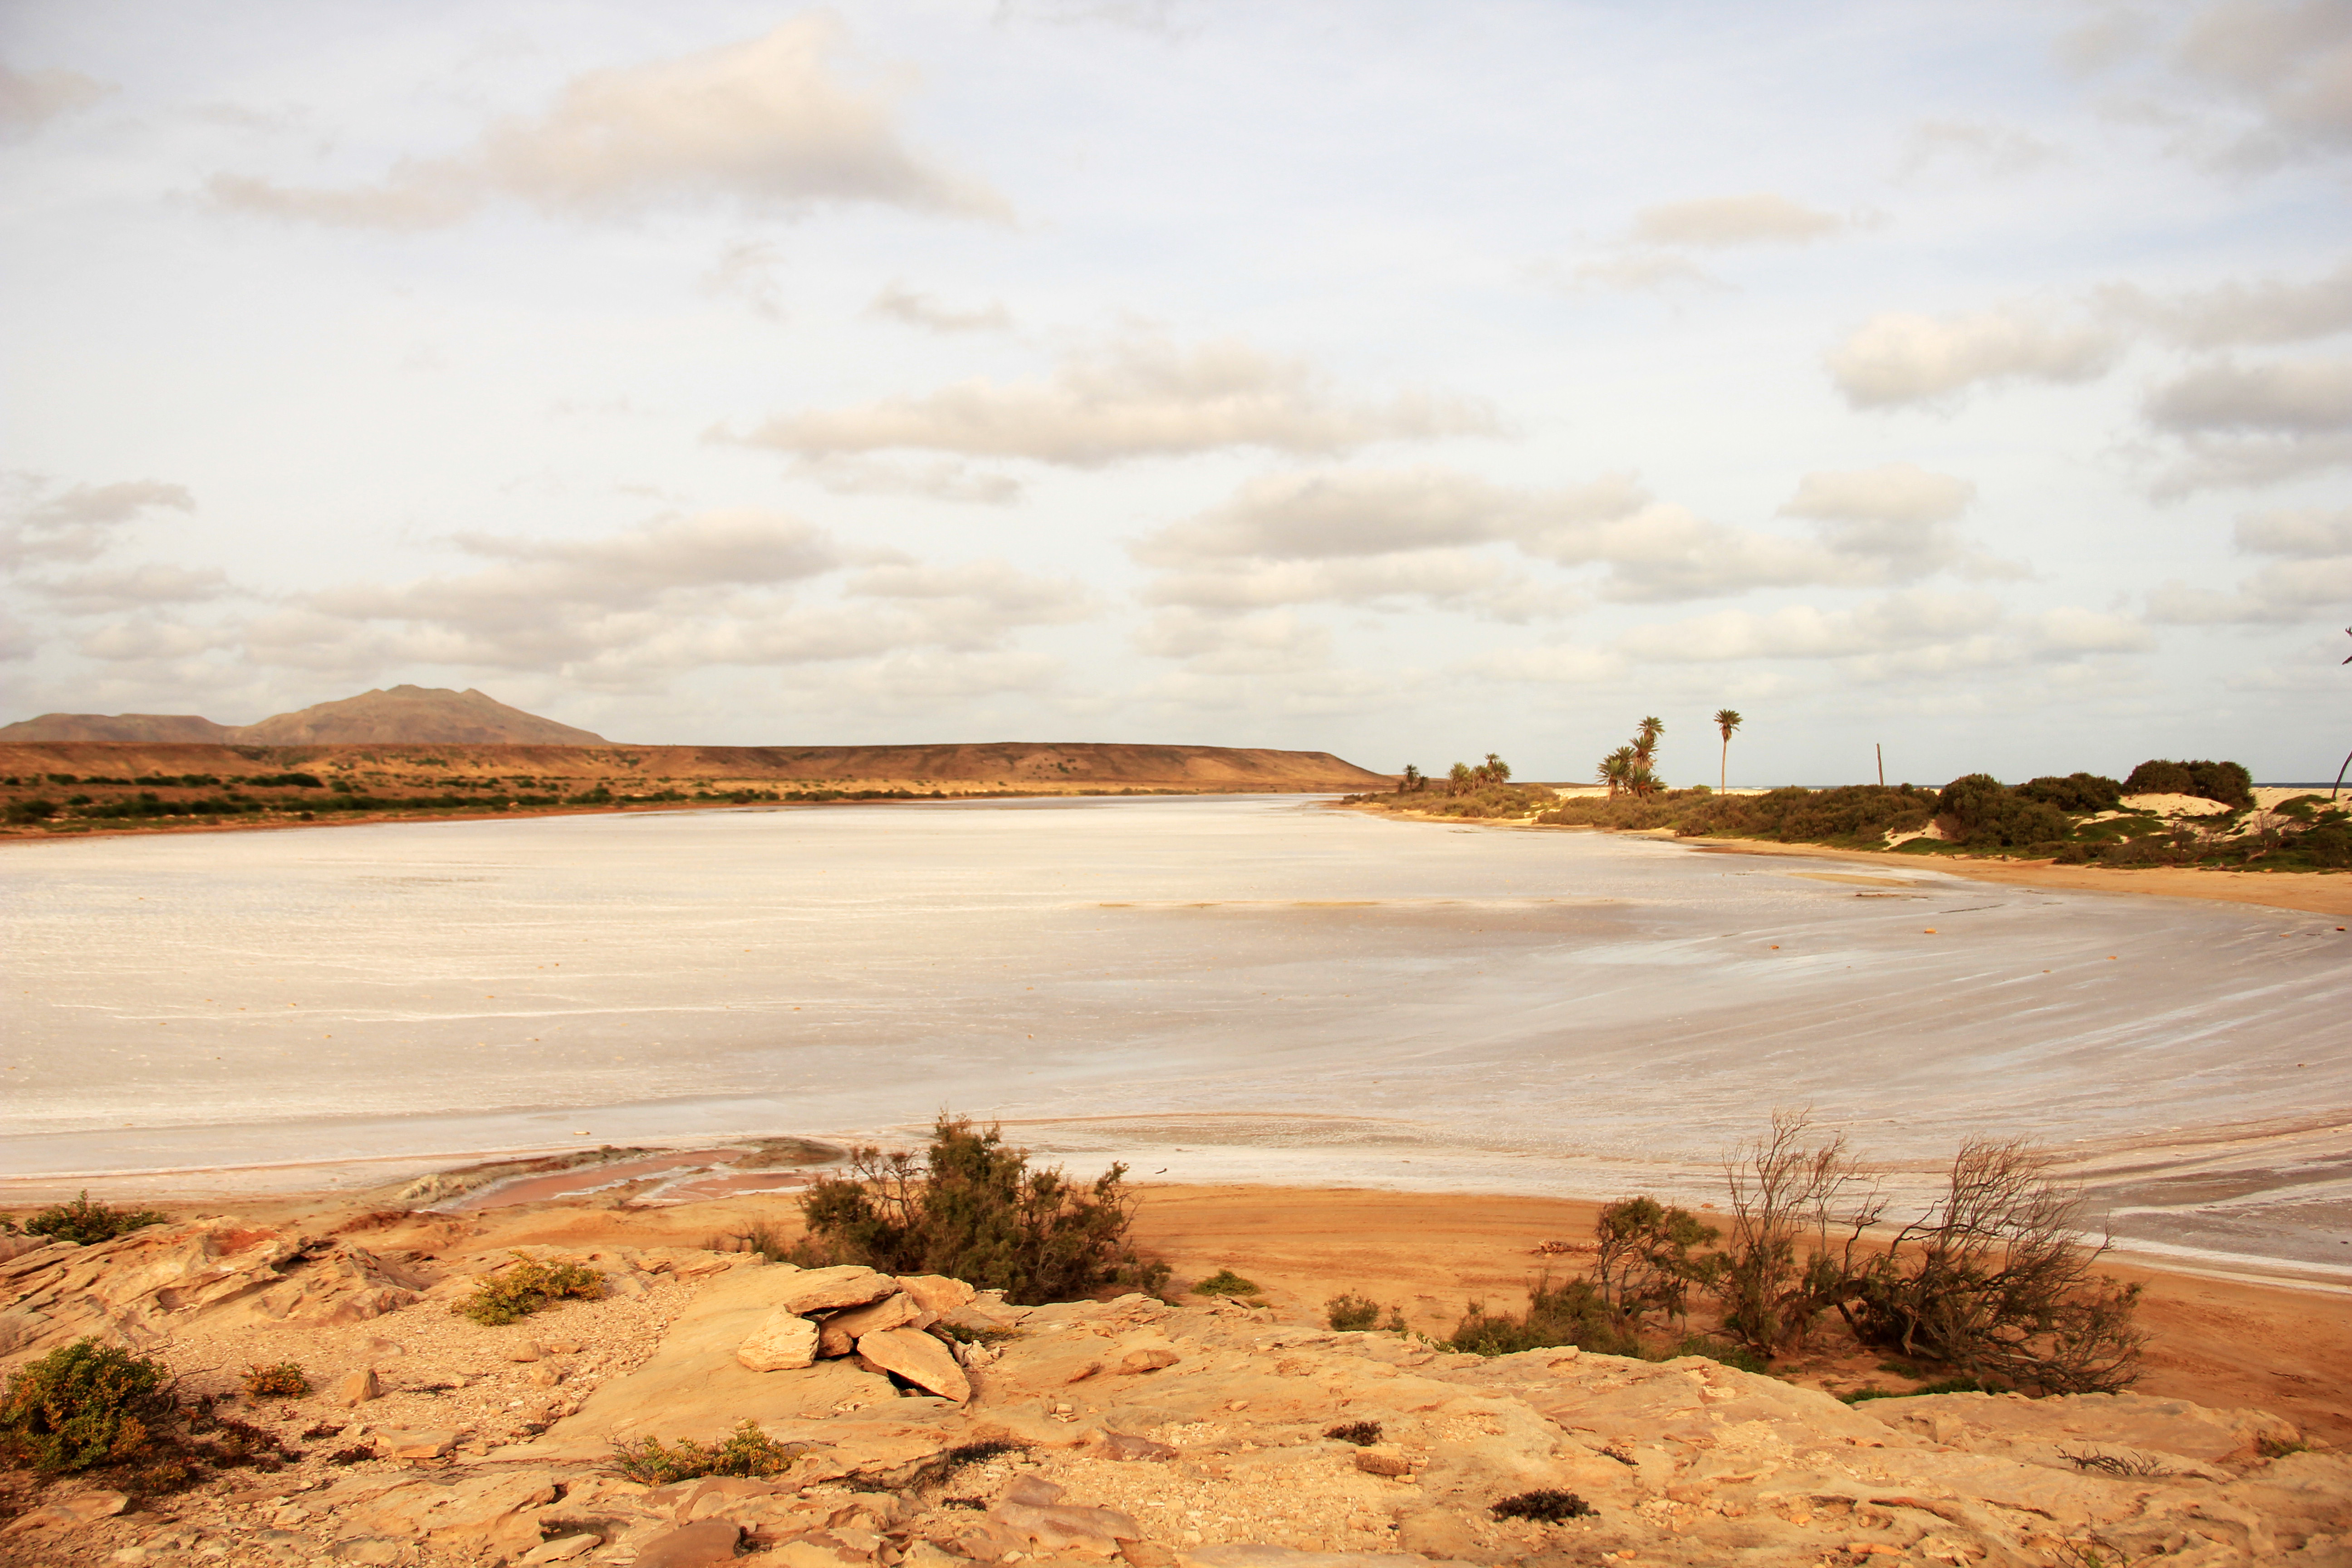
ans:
(1970, 380)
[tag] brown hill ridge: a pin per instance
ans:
(402, 715)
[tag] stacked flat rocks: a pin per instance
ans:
(893, 1325)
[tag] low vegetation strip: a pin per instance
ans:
(2078, 818)
(49, 787)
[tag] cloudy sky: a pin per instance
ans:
(1403, 381)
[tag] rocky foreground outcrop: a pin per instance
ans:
(1128, 1430)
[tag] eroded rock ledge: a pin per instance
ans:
(1127, 1430)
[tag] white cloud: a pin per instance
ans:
(2070, 629)
(976, 603)
(2242, 425)
(941, 478)
(897, 302)
(2309, 576)
(2288, 62)
(746, 270)
(926, 679)
(1919, 632)
(128, 587)
(1556, 664)
(30, 100)
(1714, 222)
(149, 638)
(1359, 535)
(1899, 358)
(1891, 493)
(2293, 397)
(2298, 535)
(79, 524)
(1325, 512)
(771, 123)
(1636, 272)
(1990, 149)
(625, 611)
(1433, 576)
(1141, 396)
(1807, 631)
(2267, 311)
(1270, 642)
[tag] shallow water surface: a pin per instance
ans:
(1211, 988)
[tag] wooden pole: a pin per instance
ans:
(1882, 764)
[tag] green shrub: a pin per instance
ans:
(748, 1451)
(971, 1209)
(1732, 1355)
(89, 1224)
(285, 1380)
(523, 1289)
(1645, 1265)
(1549, 1505)
(82, 1405)
(1225, 1282)
(1571, 1313)
(1858, 816)
(2083, 794)
(2228, 782)
(1985, 814)
(1349, 1313)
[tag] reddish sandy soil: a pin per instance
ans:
(2223, 1343)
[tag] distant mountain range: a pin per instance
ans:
(403, 715)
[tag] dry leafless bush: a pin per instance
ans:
(1995, 1279)
(1787, 1192)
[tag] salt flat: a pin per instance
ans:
(1256, 988)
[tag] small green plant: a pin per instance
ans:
(1362, 1434)
(81, 1405)
(2280, 1447)
(1571, 1313)
(284, 1380)
(1549, 1505)
(525, 1288)
(2122, 1466)
(970, 1208)
(747, 1451)
(1352, 1313)
(1872, 1392)
(1959, 1385)
(88, 1223)
(1224, 1282)
(1732, 1355)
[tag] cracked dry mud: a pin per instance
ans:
(1127, 1431)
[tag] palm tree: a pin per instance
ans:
(1616, 769)
(1411, 781)
(1459, 779)
(1727, 720)
(2347, 759)
(1646, 741)
(1644, 783)
(1498, 770)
